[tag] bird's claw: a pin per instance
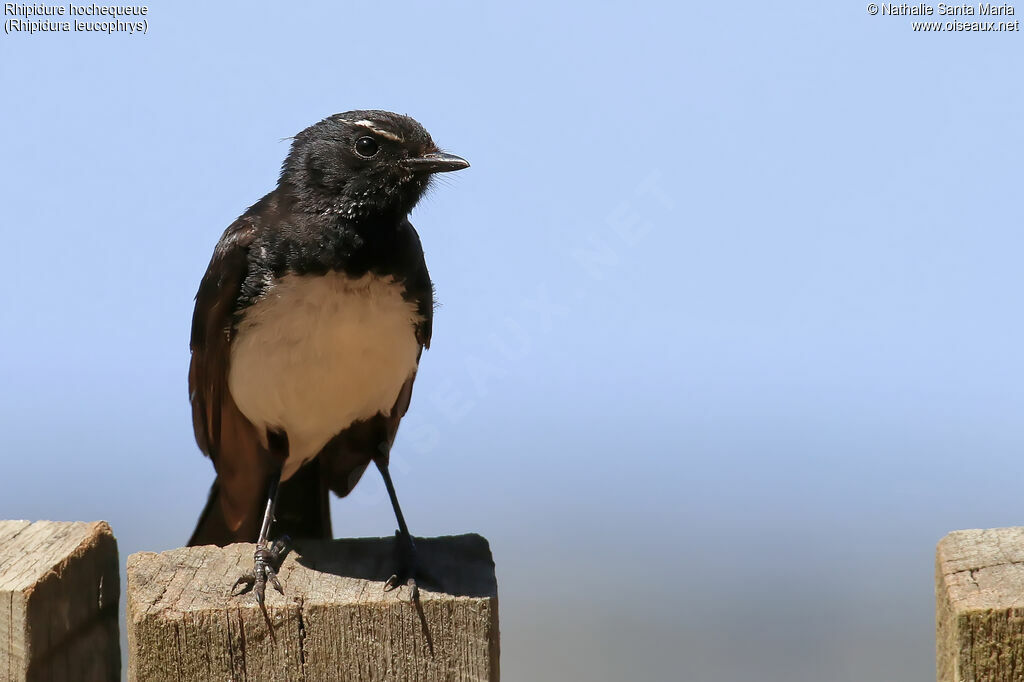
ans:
(246, 579)
(408, 569)
(266, 561)
(407, 572)
(394, 582)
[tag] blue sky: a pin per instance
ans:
(728, 336)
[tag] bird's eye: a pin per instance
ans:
(366, 147)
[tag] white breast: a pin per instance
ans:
(317, 353)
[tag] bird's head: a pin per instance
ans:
(363, 164)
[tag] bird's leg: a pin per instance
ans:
(407, 569)
(266, 559)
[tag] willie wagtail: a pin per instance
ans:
(307, 333)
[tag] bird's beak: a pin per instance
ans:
(435, 162)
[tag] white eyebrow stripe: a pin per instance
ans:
(372, 127)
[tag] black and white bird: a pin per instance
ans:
(307, 334)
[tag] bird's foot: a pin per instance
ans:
(407, 570)
(266, 562)
(407, 573)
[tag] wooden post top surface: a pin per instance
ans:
(314, 571)
(32, 550)
(334, 621)
(983, 568)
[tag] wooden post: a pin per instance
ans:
(334, 622)
(59, 588)
(979, 612)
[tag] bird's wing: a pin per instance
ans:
(345, 457)
(221, 430)
(422, 289)
(419, 286)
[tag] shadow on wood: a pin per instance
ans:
(334, 622)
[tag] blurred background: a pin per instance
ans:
(730, 324)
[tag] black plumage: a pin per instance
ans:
(340, 209)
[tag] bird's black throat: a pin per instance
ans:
(313, 244)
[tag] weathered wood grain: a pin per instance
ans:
(979, 595)
(59, 590)
(334, 622)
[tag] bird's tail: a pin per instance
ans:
(303, 505)
(302, 511)
(212, 528)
